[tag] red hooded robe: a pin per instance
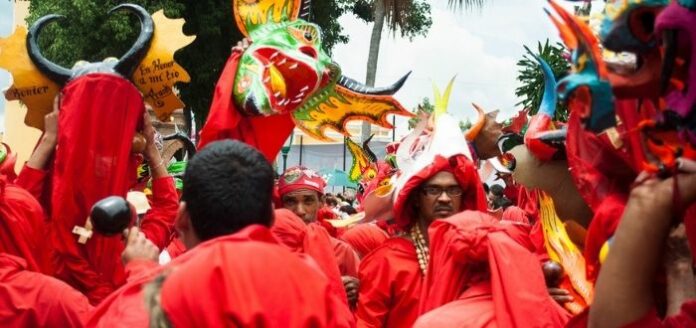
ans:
(470, 282)
(390, 277)
(99, 116)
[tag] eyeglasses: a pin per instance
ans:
(452, 191)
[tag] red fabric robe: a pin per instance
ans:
(241, 280)
(390, 285)
(346, 257)
(23, 227)
(156, 224)
(470, 276)
(310, 239)
(365, 238)
(390, 277)
(31, 299)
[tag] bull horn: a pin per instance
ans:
(188, 144)
(305, 9)
(360, 88)
(55, 72)
(366, 147)
(550, 98)
(130, 61)
(480, 122)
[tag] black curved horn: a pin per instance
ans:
(306, 9)
(130, 61)
(56, 73)
(366, 148)
(358, 87)
(188, 144)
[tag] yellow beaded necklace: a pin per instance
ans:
(421, 248)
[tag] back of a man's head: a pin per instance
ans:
(497, 190)
(228, 186)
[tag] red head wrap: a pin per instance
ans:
(300, 177)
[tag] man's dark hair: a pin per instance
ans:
(497, 190)
(486, 188)
(502, 202)
(348, 209)
(330, 201)
(228, 186)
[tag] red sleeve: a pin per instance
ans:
(158, 223)
(374, 297)
(61, 306)
(32, 180)
(136, 269)
(345, 256)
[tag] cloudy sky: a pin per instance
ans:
(481, 47)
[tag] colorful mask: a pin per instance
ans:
(677, 26)
(285, 70)
(543, 138)
(628, 25)
(589, 84)
(364, 167)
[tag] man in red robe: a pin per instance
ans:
(27, 297)
(392, 275)
(301, 190)
(95, 267)
(234, 273)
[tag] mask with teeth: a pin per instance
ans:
(588, 88)
(285, 71)
(628, 27)
(282, 68)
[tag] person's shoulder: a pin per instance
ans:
(395, 247)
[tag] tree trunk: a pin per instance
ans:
(373, 58)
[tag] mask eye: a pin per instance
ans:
(307, 34)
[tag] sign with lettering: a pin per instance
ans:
(29, 86)
(155, 77)
(158, 72)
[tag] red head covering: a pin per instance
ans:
(311, 239)
(99, 116)
(300, 177)
(473, 198)
(21, 222)
(364, 238)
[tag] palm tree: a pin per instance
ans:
(394, 13)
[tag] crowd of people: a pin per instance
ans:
(587, 222)
(245, 248)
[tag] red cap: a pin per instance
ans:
(300, 177)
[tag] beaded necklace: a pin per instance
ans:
(421, 248)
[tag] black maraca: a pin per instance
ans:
(111, 215)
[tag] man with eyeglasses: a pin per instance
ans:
(392, 275)
(445, 248)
